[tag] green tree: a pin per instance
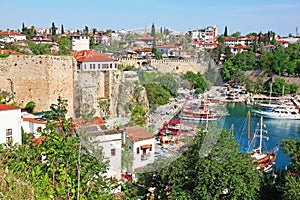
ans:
(157, 94)
(30, 106)
(197, 81)
(212, 167)
(64, 45)
(236, 34)
(291, 186)
(5, 97)
(225, 32)
(153, 33)
(62, 29)
(59, 166)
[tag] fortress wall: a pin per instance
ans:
(41, 79)
(168, 65)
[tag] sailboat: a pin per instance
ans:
(265, 160)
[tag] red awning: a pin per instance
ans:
(146, 146)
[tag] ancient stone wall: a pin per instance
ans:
(168, 65)
(41, 79)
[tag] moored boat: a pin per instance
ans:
(279, 113)
(264, 160)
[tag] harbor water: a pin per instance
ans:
(277, 130)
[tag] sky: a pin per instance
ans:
(280, 16)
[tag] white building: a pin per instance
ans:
(33, 126)
(80, 42)
(12, 36)
(108, 141)
(10, 124)
(141, 144)
(90, 60)
(208, 34)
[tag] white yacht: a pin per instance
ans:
(279, 113)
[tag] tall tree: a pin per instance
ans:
(153, 30)
(53, 29)
(62, 29)
(23, 27)
(225, 32)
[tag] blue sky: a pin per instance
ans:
(281, 16)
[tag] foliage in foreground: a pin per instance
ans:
(211, 168)
(58, 166)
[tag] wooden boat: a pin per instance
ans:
(263, 160)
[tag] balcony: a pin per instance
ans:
(145, 156)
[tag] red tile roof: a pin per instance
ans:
(146, 38)
(10, 52)
(91, 56)
(8, 107)
(82, 122)
(240, 47)
(137, 133)
(39, 140)
(33, 120)
(166, 46)
(11, 33)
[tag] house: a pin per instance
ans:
(33, 126)
(90, 60)
(144, 42)
(12, 36)
(80, 42)
(10, 124)
(99, 138)
(167, 50)
(238, 49)
(141, 143)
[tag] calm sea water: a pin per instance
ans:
(277, 130)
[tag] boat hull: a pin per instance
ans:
(272, 115)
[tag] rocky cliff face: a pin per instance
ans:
(107, 94)
(125, 95)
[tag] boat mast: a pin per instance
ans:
(270, 93)
(260, 136)
(232, 131)
(248, 128)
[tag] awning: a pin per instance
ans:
(146, 146)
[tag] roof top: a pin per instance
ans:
(8, 107)
(91, 56)
(33, 120)
(4, 51)
(137, 133)
(11, 33)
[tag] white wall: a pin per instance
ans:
(108, 142)
(11, 119)
(137, 158)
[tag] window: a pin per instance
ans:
(39, 129)
(150, 149)
(98, 66)
(8, 135)
(84, 66)
(110, 65)
(91, 66)
(113, 152)
(138, 150)
(94, 66)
